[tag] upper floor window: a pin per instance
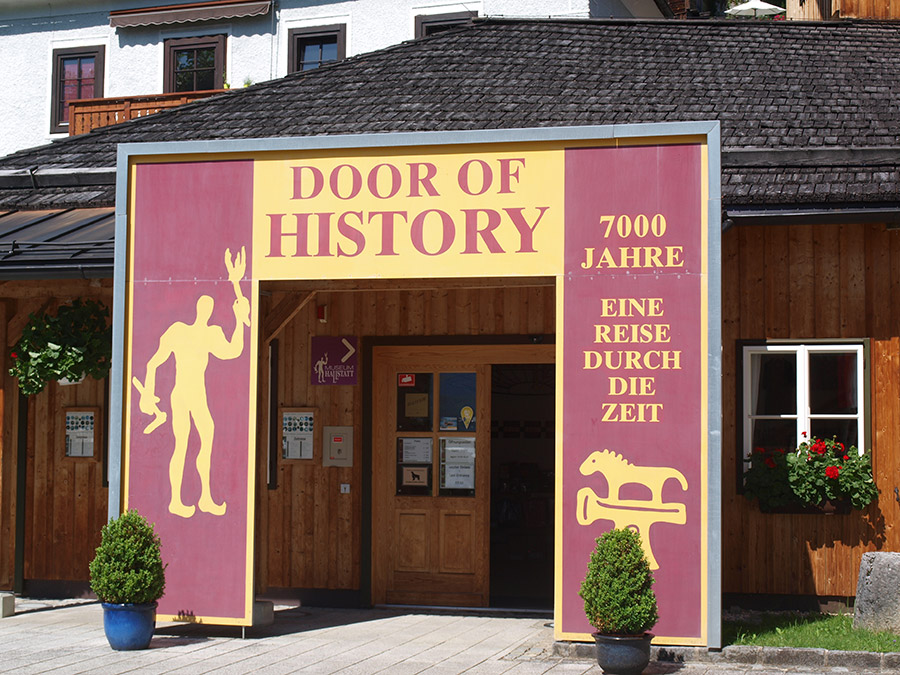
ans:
(794, 389)
(77, 73)
(309, 48)
(428, 24)
(195, 64)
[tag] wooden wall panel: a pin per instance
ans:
(808, 10)
(8, 459)
(864, 9)
(800, 282)
(312, 530)
(837, 281)
(65, 503)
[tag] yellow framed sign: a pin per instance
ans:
(626, 218)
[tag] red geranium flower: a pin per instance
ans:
(14, 355)
(770, 462)
(832, 471)
(846, 457)
(761, 450)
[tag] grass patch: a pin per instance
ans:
(820, 631)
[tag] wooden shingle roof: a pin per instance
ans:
(810, 112)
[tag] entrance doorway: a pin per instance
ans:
(522, 485)
(431, 472)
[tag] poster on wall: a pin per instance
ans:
(625, 219)
(80, 441)
(635, 334)
(189, 451)
(297, 434)
(457, 463)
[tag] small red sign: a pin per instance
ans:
(337, 439)
(406, 380)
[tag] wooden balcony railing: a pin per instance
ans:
(93, 113)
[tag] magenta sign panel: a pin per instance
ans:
(634, 368)
(189, 453)
(334, 360)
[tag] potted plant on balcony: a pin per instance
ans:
(619, 602)
(128, 575)
(67, 346)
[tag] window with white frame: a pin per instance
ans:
(793, 392)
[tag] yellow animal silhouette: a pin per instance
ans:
(192, 345)
(618, 471)
(635, 514)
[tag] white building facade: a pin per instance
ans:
(54, 51)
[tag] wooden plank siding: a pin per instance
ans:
(797, 282)
(866, 9)
(65, 503)
(808, 10)
(810, 282)
(8, 459)
(308, 533)
(818, 10)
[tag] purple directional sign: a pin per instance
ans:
(333, 360)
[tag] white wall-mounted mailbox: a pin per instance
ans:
(338, 446)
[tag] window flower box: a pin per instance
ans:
(820, 476)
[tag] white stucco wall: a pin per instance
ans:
(26, 52)
(256, 48)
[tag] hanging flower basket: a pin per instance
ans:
(820, 476)
(74, 343)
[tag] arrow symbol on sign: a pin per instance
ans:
(351, 350)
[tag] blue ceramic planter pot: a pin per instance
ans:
(129, 626)
(623, 654)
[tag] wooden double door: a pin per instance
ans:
(431, 471)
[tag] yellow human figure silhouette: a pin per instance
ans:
(638, 515)
(192, 344)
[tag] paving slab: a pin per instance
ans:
(67, 638)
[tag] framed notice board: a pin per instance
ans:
(301, 433)
(82, 431)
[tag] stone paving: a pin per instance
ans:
(67, 638)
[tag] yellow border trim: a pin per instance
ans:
(251, 451)
(704, 393)
(204, 620)
(657, 639)
(703, 639)
(695, 139)
(249, 593)
(129, 324)
(558, 468)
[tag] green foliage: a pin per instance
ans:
(128, 568)
(767, 479)
(618, 589)
(816, 631)
(74, 343)
(824, 469)
(819, 470)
